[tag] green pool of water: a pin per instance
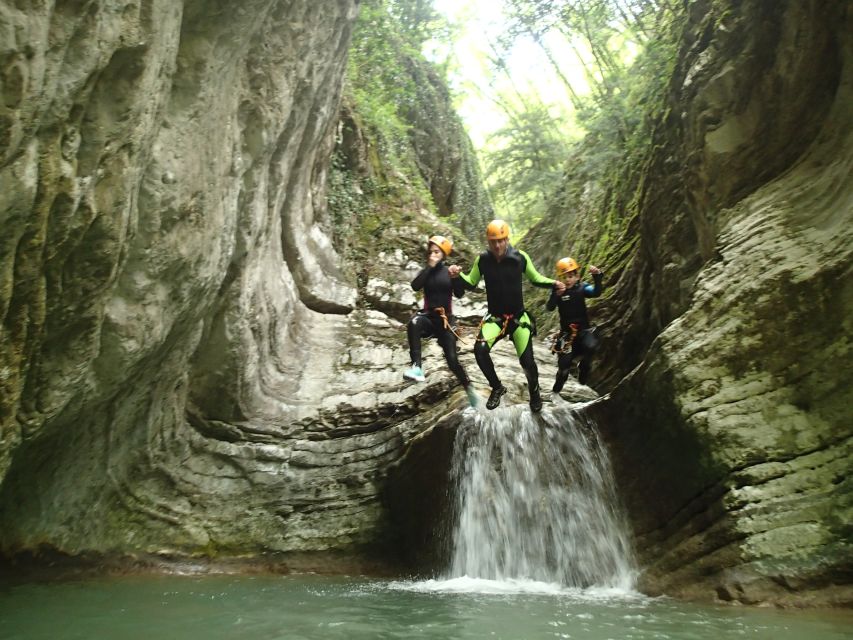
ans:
(308, 606)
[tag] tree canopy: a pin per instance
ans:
(625, 49)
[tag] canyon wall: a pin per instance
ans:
(727, 348)
(173, 312)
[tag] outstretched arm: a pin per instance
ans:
(458, 287)
(470, 279)
(594, 290)
(534, 276)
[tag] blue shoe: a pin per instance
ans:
(415, 373)
(473, 398)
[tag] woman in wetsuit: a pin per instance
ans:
(435, 319)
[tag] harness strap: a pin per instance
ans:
(566, 344)
(443, 315)
(507, 318)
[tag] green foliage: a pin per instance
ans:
(374, 169)
(627, 49)
(527, 163)
(400, 131)
(387, 36)
(377, 80)
(418, 21)
(349, 202)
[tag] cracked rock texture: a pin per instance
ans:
(187, 368)
(178, 371)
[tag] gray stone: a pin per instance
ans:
(730, 435)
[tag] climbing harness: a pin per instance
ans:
(523, 323)
(507, 318)
(563, 340)
(449, 327)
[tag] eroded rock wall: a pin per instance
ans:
(732, 436)
(444, 153)
(168, 290)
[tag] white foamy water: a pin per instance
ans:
(468, 585)
(536, 503)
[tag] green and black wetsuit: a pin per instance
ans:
(506, 313)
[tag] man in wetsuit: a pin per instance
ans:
(436, 319)
(502, 267)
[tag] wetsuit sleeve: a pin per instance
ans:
(420, 279)
(552, 301)
(472, 278)
(458, 287)
(533, 275)
(594, 290)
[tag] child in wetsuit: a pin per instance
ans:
(577, 339)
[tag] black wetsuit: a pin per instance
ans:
(575, 330)
(439, 289)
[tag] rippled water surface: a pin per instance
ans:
(295, 607)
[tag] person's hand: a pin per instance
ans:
(593, 269)
(454, 270)
(559, 287)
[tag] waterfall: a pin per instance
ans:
(535, 501)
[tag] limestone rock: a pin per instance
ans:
(732, 438)
(166, 273)
(183, 369)
(188, 367)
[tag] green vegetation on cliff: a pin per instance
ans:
(586, 203)
(400, 149)
(572, 173)
(627, 51)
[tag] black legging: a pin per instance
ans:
(422, 326)
(484, 359)
(583, 348)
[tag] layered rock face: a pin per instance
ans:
(444, 153)
(178, 368)
(732, 438)
(186, 366)
(183, 368)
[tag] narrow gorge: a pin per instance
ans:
(200, 363)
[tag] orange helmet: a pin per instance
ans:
(497, 230)
(445, 244)
(564, 265)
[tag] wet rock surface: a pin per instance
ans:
(189, 370)
(731, 434)
(176, 352)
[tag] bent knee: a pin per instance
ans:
(481, 348)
